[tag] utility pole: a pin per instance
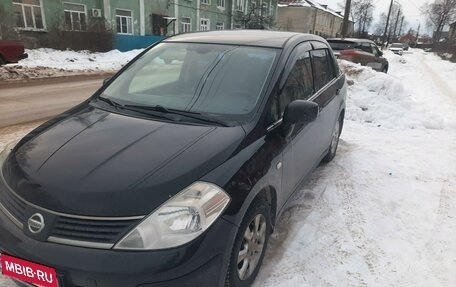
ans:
(417, 34)
(400, 29)
(346, 18)
(395, 25)
(387, 22)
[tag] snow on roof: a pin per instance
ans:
(311, 3)
(294, 3)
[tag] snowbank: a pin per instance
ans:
(78, 60)
(45, 63)
(383, 100)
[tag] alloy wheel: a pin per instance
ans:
(252, 246)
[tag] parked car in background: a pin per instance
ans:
(362, 51)
(11, 52)
(175, 172)
(397, 48)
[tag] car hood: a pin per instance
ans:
(98, 163)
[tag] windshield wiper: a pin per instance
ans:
(134, 108)
(109, 101)
(192, 115)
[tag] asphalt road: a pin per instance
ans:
(26, 102)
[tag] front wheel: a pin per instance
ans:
(250, 245)
(385, 69)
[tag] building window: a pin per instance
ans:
(207, 2)
(240, 5)
(204, 24)
(221, 3)
(75, 17)
(124, 20)
(186, 25)
(28, 14)
(219, 26)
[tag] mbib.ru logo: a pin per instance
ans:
(28, 271)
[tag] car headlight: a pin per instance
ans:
(6, 151)
(179, 220)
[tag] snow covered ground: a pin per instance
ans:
(383, 213)
(45, 62)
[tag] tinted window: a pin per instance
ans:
(299, 84)
(366, 47)
(342, 45)
(323, 68)
(375, 50)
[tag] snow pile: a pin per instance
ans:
(45, 63)
(381, 99)
(78, 60)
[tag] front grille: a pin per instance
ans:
(72, 229)
(89, 230)
(12, 204)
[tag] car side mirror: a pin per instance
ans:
(298, 112)
(106, 80)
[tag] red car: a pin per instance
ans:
(11, 52)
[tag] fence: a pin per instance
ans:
(129, 42)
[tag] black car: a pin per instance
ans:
(175, 172)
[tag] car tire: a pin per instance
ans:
(2, 62)
(385, 69)
(257, 222)
(334, 141)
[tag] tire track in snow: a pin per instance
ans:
(439, 83)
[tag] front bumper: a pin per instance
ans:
(203, 262)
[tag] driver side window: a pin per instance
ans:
(298, 84)
(375, 50)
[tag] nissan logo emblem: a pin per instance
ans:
(36, 223)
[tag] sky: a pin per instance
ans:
(410, 9)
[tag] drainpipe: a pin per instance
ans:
(176, 15)
(142, 18)
(107, 11)
(198, 21)
(232, 13)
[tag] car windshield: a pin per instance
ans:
(342, 45)
(396, 45)
(220, 81)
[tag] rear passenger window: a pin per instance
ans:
(323, 68)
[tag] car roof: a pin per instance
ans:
(262, 38)
(351, 40)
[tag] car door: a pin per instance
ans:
(328, 82)
(372, 57)
(378, 61)
(299, 153)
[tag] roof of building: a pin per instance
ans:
(311, 3)
(262, 38)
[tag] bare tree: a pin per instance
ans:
(362, 13)
(439, 14)
(257, 17)
(394, 23)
